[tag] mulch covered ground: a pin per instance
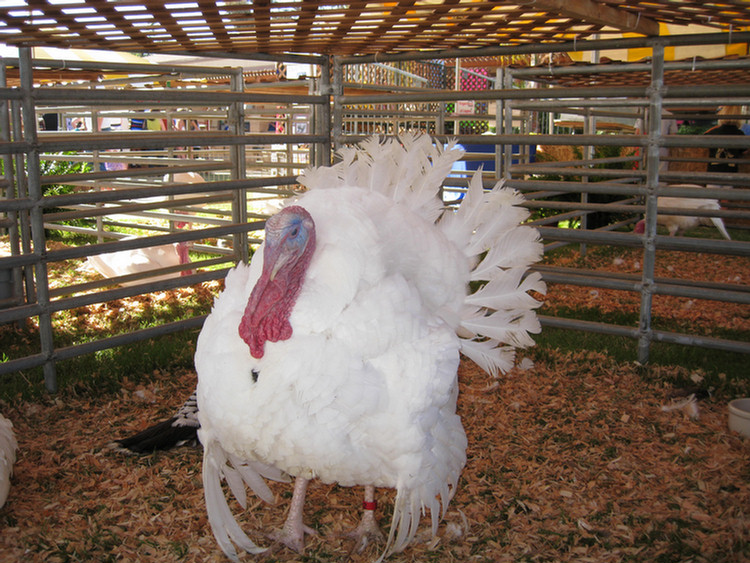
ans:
(572, 460)
(575, 459)
(693, 316)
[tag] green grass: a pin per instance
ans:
(103, 372)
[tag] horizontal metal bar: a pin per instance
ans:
(156, 139)
(531, 48)
(183, 280)
(127, 338)
(625, 67)
(16, 204)
(632, 208)
(145, 97)
(285, 58)
(69, 200)
(144, 242)
(538, 95)
(588, 326)
(500, 94)
(625, 282)
(684, 244)
(702, 341)
(20, 364)
(129, 67)
(657, 335)
(125, 292)
(19, 260)
(205, 166)
(624, 189)
(19, 312)
(10, 93)
(97, 211)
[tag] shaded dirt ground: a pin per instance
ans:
(572, 460)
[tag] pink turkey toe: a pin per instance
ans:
(367, 531)
(292, 537)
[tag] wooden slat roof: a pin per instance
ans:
(342, 28)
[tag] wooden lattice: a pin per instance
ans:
(329, 27)
(691, 76)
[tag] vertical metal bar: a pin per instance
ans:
(652, 182)
(338, 109)
(589, 128)
(19, 162)
(33, 173)
(498, 123)
(236, 119)
(507, 125)
(323, 123)
(95, 166)
(10, 191)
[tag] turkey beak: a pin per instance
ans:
(277, 265)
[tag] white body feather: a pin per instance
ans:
(8, 447)
(364, 392)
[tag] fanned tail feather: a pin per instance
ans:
(408, 170)
(218, 465)
(489, 355)
(514, 247)
(407, 512)
(499, 315)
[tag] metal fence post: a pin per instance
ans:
(323, 124)
(652, 181)
(338, 108)
(33, 175)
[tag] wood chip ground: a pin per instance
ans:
(572, 460)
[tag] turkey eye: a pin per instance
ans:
(294, 233)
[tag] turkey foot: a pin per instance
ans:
(293, 533)
(368, 530)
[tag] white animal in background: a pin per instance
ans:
(680, 223)
(334, 354)
(184, 178)
(126, 262)
(8, 447)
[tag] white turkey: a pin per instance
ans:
(334, 354)
(8, 447)
(681, 223)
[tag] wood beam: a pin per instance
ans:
(596, 12)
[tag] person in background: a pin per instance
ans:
(668, 127)
(720, 157)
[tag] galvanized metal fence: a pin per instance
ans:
(633, 191)
(204, 165)
(137, 189)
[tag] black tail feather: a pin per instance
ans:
(179, 430)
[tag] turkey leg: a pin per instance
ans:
(293, 533)
(368, 529)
